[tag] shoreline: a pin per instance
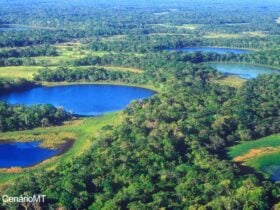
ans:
(53, 84)
(243, 63)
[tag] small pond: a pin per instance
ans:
(23, 154)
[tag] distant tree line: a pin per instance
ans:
(89, 75)
(44, 50)
(19, 84)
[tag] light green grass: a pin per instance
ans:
(267, 164)
(190, 26)
(222, 35)
(231, 81)
(184, 26)
(27, 72)
(18, 71)
(262, 154)
(245, 147)
(54, 60)
(234, 36)
(265, 161)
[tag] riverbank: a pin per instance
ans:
(144, 86)
(243, 63)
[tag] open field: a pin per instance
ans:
(69, 51)
(184, 26)
(222, 35)
(245, 147)
(18, 71)
(83, 130)
(27, 72)
(262, 154)
(235, 36)
(232, 81)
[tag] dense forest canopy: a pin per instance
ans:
(168, 151)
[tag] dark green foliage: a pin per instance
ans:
(17, 117)
(90, 75)
(15, 85)
(157, 158)
(45, 50)
(257, 107)
(168, 151)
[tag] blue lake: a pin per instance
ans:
(23, 154)
(242, 70)
(213, 50)
(81, 99)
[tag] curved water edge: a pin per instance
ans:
(82, 99)
(219, 50)
(273, 172)
(24, 154)
(244, 71)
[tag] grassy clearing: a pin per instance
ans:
(84, 130)
(265, 161)
(51, 137)
(54, 60)
(262, 154)
(222, 36)
(184, 26)
(234, 36)
(268, 164)
(190, 26)
(114, 38)
(27, 72)
(18, 71)
(68, 52)
(231, 81)
(245, 147)
(255, 34)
